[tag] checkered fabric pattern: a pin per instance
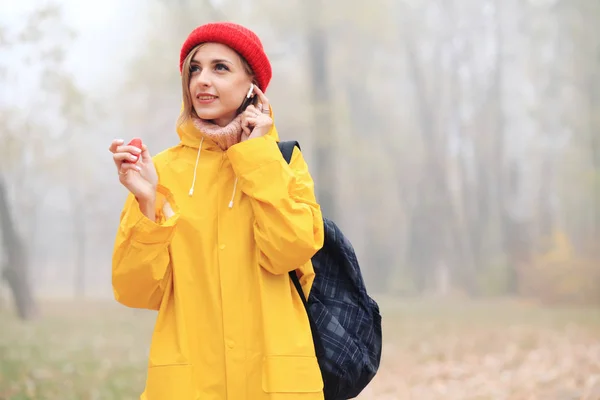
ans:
(345, 321)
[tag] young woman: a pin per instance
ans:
(210, 230)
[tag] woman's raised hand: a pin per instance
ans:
(139, 177)
(256, 121)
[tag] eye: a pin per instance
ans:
(221, 67)
(194, 68)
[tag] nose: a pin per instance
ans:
(202, 78)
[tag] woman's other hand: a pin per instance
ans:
(140, 177)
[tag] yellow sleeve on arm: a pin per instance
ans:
(288, 222)
(141, 260)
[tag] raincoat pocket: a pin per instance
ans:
(291, 374)
(170, 382)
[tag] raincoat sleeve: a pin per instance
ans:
(288, 225)
(141, 258)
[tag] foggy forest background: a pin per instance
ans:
(455, 142)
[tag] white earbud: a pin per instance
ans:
(250, 91)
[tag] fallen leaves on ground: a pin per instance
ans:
(462, 351)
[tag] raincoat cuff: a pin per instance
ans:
(162, 230)
(254, 153)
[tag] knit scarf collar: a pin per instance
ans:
(223, 136)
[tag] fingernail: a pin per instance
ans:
(138, 168)
(119, 140)
(133, 158)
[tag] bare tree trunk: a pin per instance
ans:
(498, 189)
(79, 239)
(16, 271)
(461, 230)
(518, 235)
(515, 233)
(438, 235)
(378, 254)
(594, 138)
(323, 129)
(428, 238)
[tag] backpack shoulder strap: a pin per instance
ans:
(287, 149)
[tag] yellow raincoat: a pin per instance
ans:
(230, 323)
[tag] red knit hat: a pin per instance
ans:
(240, 39)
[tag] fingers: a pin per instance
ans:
(123, 157)
(128, 149)
(126, 158)
(254, 113)
(249, 123)
(263, 99)
(114, 144)
(146, 157)
(125, 168)
(251, 111)
(245, 128)
(265, 106)
(123, 153)
(249, 119)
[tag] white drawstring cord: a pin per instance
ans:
(196, 167)
(233, 194)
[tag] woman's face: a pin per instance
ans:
(219, 83)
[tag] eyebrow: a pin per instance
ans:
(217, 61)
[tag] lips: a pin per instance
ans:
(206, 98)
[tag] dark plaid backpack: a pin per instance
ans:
(345, 321)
